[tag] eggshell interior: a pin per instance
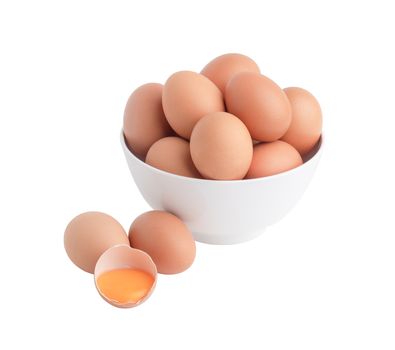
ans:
(123, 256)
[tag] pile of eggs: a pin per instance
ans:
(228, 122)
(125, 266)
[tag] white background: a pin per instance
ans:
(323, 278)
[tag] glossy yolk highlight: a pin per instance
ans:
(125, 285)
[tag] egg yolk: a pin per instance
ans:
(125, 285)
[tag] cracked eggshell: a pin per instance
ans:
(123, 256)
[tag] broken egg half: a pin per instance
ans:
(124, 276)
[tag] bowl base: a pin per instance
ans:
(225, 239)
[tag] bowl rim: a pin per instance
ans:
(318, 152)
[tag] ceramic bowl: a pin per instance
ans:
(223, 212)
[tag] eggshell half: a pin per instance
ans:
(123, 256)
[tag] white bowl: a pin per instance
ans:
(223, 212)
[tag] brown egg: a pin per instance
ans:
(260, 103)
(166, 239)
(89, 235)
(306, 124)
(172, 154)
(273, 158)
(144, 121)
(187, 97)
(221, 147)
(221, 69)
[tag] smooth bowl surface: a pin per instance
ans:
(223, 212)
